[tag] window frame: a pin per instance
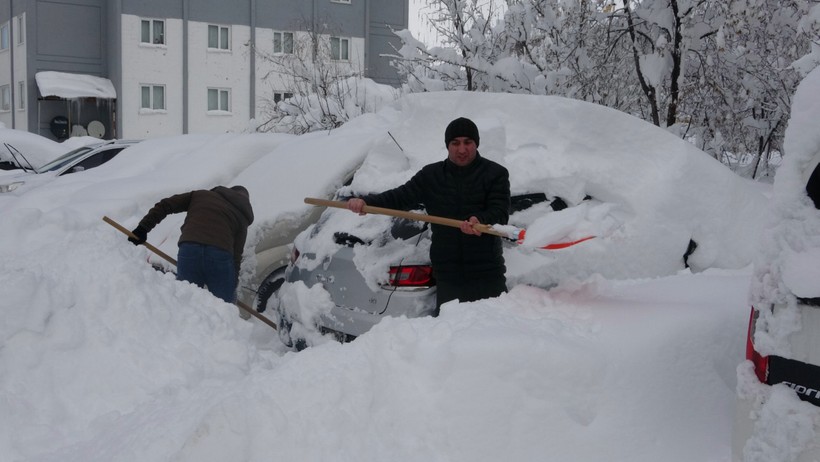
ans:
(279, 96)
(21, 30)
(220, 92)
(219, 37)
(5, 98)
(342, 56)
(5, 37)
(21, 98)
(282, 42)
(152, 32)
(152, 97)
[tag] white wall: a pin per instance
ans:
(5, 72)
(218, 69)
(21, 74)
(150, 64)
(268, 81)
(145, 64)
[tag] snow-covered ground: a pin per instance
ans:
(102, 358)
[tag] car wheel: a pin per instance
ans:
(268, 288)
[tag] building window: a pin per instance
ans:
(339, 48)
(153, 31)
(4, 36)
(152, 97)
(219, 100)
(21, 31)
(21, 95)
(283, 42)
(218, 37)
(340, 1)
(5, 98)
(281, 96)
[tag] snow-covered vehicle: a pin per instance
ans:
(406, 286)
(21, 150)
(276, 197)
(653, 199)
(77, 160)
(778, 402)
(272, 254)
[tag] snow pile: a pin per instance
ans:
(788, 267)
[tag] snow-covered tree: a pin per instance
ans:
(739, 86)
(719, 73)
(322, 93)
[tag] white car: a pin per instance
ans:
(78, 160)
(272, 252)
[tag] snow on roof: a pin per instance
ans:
(66, 85)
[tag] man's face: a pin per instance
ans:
(461, 151)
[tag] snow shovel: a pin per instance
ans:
(162, 254)
(517, 235)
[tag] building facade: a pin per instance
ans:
(182, 66)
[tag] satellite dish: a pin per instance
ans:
(59, 127)
(96, 129)
(78, 130)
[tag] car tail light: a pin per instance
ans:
(760, 362)
(411, 276)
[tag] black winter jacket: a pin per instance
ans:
(481, 189)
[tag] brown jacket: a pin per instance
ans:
(219, 217)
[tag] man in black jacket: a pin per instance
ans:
(467, 265)
(213, 235)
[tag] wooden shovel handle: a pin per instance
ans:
(162, 254)
(408, 215)
(146, 244)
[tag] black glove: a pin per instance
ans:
(141, 236)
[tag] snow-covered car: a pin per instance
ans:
(777, 415)
(21, 150)
(653, 199)
(273, 253)
(270, 238)
(404, 283)
(77, 160)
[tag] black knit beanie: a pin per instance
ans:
(461, 127)
(241, 190)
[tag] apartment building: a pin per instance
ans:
(147, 68)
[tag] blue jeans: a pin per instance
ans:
(208, 266)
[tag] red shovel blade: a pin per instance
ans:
(555, 246)
(564, 245)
